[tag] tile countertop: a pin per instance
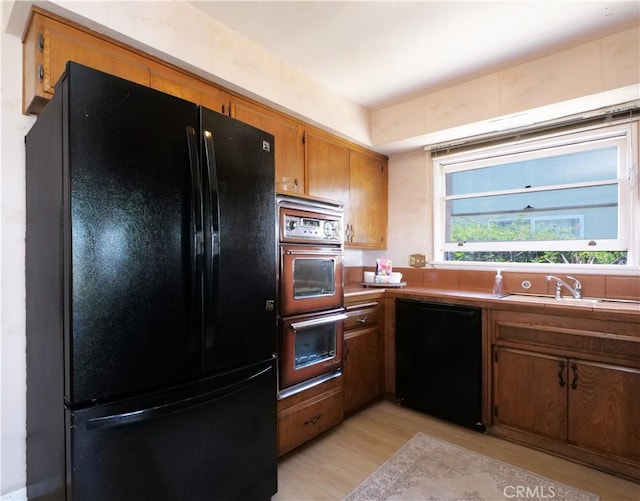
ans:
(614, 309)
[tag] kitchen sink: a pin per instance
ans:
(549, 299)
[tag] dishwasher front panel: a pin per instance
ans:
(439, 360)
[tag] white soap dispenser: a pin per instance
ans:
(498, 287)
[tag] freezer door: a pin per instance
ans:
(214, 441)
(132, 257)
(240, 239)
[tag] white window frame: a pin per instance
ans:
(624, 135)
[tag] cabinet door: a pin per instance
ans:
(367, 201)
(604, 409)
(327, 169)
(191, 89)
(49, 44)
(289, 153)
(361, 369)
(531, 392)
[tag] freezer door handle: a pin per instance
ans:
(150, 413)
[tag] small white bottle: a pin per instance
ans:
(498, 287)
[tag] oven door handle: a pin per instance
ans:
(316, 252)
(317, 321)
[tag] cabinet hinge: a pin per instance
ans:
(304, 138)
(40, 42)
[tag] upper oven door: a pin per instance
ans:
(311, 279)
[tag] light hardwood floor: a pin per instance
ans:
(332, 465)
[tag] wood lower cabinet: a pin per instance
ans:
(309, 413)
(542, 379)
(604, 409)
(362, 356)
(568, 385)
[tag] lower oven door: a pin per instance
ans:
(311, 279)
(311, 346)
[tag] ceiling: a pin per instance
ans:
(379, 53)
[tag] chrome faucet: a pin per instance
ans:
(576, 290)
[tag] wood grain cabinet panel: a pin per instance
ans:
(569, 385)
(49, 43)
(530, 392)
(367, 201)
(179, 84)
(309, 413)
(362, 356)
(327, 168)
(287, 133)
(604, 409)
(356, 178)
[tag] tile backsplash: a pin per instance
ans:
(609, 286)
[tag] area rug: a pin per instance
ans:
(430, 469)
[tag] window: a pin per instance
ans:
(568, 198)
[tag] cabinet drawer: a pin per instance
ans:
(361, 318)
(309, 418)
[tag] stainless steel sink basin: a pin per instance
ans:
(549, 299)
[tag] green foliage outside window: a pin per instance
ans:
(519, 229)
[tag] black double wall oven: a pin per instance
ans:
(311, 280)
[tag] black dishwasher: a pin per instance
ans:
(439, 360)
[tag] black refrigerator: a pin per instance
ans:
(151, 281)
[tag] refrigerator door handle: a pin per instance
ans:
(213, 228)
(150, 413)
(197, 241)
(196, 204)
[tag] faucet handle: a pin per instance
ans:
(577, 286)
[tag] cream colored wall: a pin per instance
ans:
(12, 289)
(409, 210)
(600, 73)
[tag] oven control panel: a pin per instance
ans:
(314, 229)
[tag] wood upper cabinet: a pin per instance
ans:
(367, 201)
(49, 43)
(287, 133)
(312, 161)
(356, 178)
(176, 83)
(327, 168)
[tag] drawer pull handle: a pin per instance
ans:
(574, 383)
(561, 374)
(314, 419)
(362, 320)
